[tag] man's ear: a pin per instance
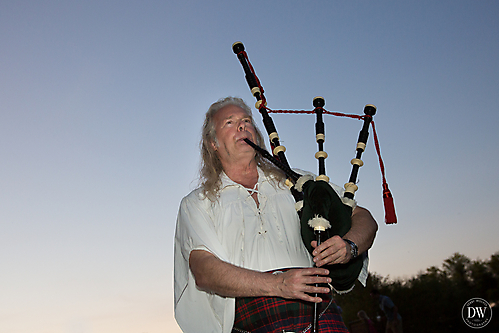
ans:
(214, 145)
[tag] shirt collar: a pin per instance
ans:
(226, 181)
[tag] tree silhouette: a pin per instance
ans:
(432, 300)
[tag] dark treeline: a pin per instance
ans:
(431, 301)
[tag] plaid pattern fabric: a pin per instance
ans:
(274, 314)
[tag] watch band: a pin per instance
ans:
(354, 250)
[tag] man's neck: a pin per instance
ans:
(245, 174)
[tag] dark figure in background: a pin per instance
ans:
(393, 318)
(369, 323)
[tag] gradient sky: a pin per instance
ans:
(101, 105)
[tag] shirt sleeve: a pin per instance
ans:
(195, 231)
(196, 228)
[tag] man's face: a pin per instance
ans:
(232, 125)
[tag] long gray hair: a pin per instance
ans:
(211, 167)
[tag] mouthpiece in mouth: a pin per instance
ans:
(290, 173)
(248, 141)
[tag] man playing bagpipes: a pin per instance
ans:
(240, 262)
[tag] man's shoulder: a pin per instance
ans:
(196, 195)
(387, 301)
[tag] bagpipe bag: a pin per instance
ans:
(320, 200)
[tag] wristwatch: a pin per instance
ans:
(354, 250)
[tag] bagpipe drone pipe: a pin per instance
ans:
(323, 214)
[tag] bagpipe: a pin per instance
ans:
(322, 212)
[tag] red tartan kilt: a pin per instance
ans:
(274, 314)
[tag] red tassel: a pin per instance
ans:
(390, 217)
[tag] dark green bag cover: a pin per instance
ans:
(319, 199)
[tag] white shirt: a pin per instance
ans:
(235, 230)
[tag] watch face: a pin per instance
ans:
(353, 248)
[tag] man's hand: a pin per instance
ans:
(299, 283)
(332, 251)
(336, 251)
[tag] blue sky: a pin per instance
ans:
(101, 105)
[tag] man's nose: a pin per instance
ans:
(242, 126)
